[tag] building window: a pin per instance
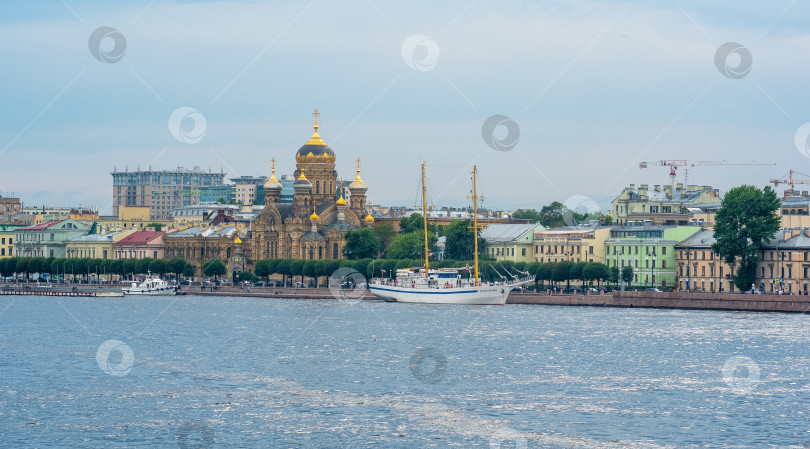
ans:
(334, 251)
(523, 252)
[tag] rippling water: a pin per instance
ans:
(234, 372)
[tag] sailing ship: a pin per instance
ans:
(446, 285)
(152, 285)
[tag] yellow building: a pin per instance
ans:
(7, 239)
(132, 217)
(510, 241)
(94, 246)
(574, 244)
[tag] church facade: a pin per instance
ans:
(314, 225)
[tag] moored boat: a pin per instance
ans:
(152, 285)
(445, 286)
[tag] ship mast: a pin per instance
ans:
(424, 217)
(475, 224)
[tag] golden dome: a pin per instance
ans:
(314, 216)
(272, 183)
(341, 201)
(358, 183)
(237, 241)
(369, 219)
(302, 177)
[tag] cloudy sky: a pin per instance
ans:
(585, 90)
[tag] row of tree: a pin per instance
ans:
(84, 267)
(556, 214)
(382, 241)
(553, 272)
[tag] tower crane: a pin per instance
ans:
(673, 165)
(790, 181)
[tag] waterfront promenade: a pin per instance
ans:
(674, 300)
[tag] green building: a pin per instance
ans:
(48, 239)
(649, 249)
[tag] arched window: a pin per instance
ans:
(320, 252)
(202, 253)
(229, 253)
(335, 251)
(311, 252)
(317, 186)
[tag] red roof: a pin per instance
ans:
(139, 238)
(43, 225)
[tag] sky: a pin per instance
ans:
(552, 100)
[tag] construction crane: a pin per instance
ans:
(673, 165)
(790, 181)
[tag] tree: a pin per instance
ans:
(562, 271)
(627, 274)
(157, 226)
(310, 270)
(215, 267)
(297, 268)
(527, 214)
(412, 223)
(385, 235)
(189, 270)
(608, 220)
(614, 275)
(158, 266)
(745, 221)
(177, 265)
(283, 268)
(410, 246)
(361, 244)
(142, 265)
(262, 268)
(552, 215)
(459, 242)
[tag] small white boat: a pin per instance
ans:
(446, 286)
(152, 285)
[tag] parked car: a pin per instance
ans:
(185, 282)
(652, 289)
(754, 291)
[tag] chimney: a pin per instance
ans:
(642, 190)
(679, 186)
(632, 187)
(657, 187)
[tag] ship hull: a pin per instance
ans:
(483, 295)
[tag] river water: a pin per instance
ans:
(247, 372)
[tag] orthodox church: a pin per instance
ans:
(314, 225)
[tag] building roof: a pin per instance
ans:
(139, 238)
(93, 238)
(500, 233)
(703, 237)
(41, 226)
(196, 231)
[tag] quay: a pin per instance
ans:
(664, 300)
(69, 293)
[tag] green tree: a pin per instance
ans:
(614, 275)
(157, 226)
(283, 268)
(412, 223)
(552, 215)
(608, 220)
(460, 243)
(262, 268)
(177, 265)
(527, 214)
(385, 235)
(297, 268)
(142, 265)
(158, 266)
(310, 270)
(745, 221)
(410, 246)
(215, 267)
(189, 270)
(361, 244)
(627, 274)
(561, 271)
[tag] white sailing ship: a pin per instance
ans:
(446, 286)
(152, 285)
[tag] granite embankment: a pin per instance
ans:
(709, 301)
